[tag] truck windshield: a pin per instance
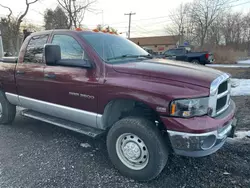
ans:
(112, 48)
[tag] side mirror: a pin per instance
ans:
(52, 54)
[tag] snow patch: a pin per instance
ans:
(239, 137)
(244, 62)
(240, 87)
(242, 134)
(229, 65)
(85, 145)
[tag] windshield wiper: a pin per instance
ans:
(130, 56)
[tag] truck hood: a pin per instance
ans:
(171, 70)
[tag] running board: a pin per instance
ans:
(83, 129)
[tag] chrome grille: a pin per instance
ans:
(219, 98)
(221, 103)
(223, 87)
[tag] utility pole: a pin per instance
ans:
(1, 46)
(182, 32)
(129, 23)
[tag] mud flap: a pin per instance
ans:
(234, 124)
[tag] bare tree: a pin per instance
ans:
(232, 28)
(177, 17)
(204, 13)
(14, 24)
(214, 33)
(246, 31)
(75, 10)
(182, 24)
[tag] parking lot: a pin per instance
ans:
(36, 154)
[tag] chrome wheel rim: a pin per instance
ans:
(1, 110)
(132, 151)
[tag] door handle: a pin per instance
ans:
(49, 76)
(20, 72)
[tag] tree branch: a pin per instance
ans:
(9, 15)
(32, 2)
(19, 20)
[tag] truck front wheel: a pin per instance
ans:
(136, 148)
(7, 110)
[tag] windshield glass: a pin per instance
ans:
(112, 47)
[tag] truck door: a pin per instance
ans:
(73, 89)
(29, 71)
(181, 54)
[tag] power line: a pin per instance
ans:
(145, 19)
(141, 28)
(37, 12)
(241, 4)
(149, 31)
(43, 4)
(156, 23)
(161, 17)
(115, 24)
(161, 22)
(151, 18)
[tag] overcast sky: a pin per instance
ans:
(113, 13)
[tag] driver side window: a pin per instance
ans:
(70, 48)
(169, 52)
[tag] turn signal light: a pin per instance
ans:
(173, 109)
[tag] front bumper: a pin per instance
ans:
(206, 143)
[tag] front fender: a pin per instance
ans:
(155, 93)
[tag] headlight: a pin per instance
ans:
(189, 107)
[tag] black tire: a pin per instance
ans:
(150, 135)
(8, 112)
(195, 61)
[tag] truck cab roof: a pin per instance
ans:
(61, 30)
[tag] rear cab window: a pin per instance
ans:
(34, 50)
(179, 51)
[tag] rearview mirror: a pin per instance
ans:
(52, 54)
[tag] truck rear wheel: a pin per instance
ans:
(137, 148)
(195, 61)
(7, 110)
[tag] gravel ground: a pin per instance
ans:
(37, 154)
(243, 109)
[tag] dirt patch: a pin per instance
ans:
(243, 109)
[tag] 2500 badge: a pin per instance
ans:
(81, 95)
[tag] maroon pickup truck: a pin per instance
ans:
(96, 83)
